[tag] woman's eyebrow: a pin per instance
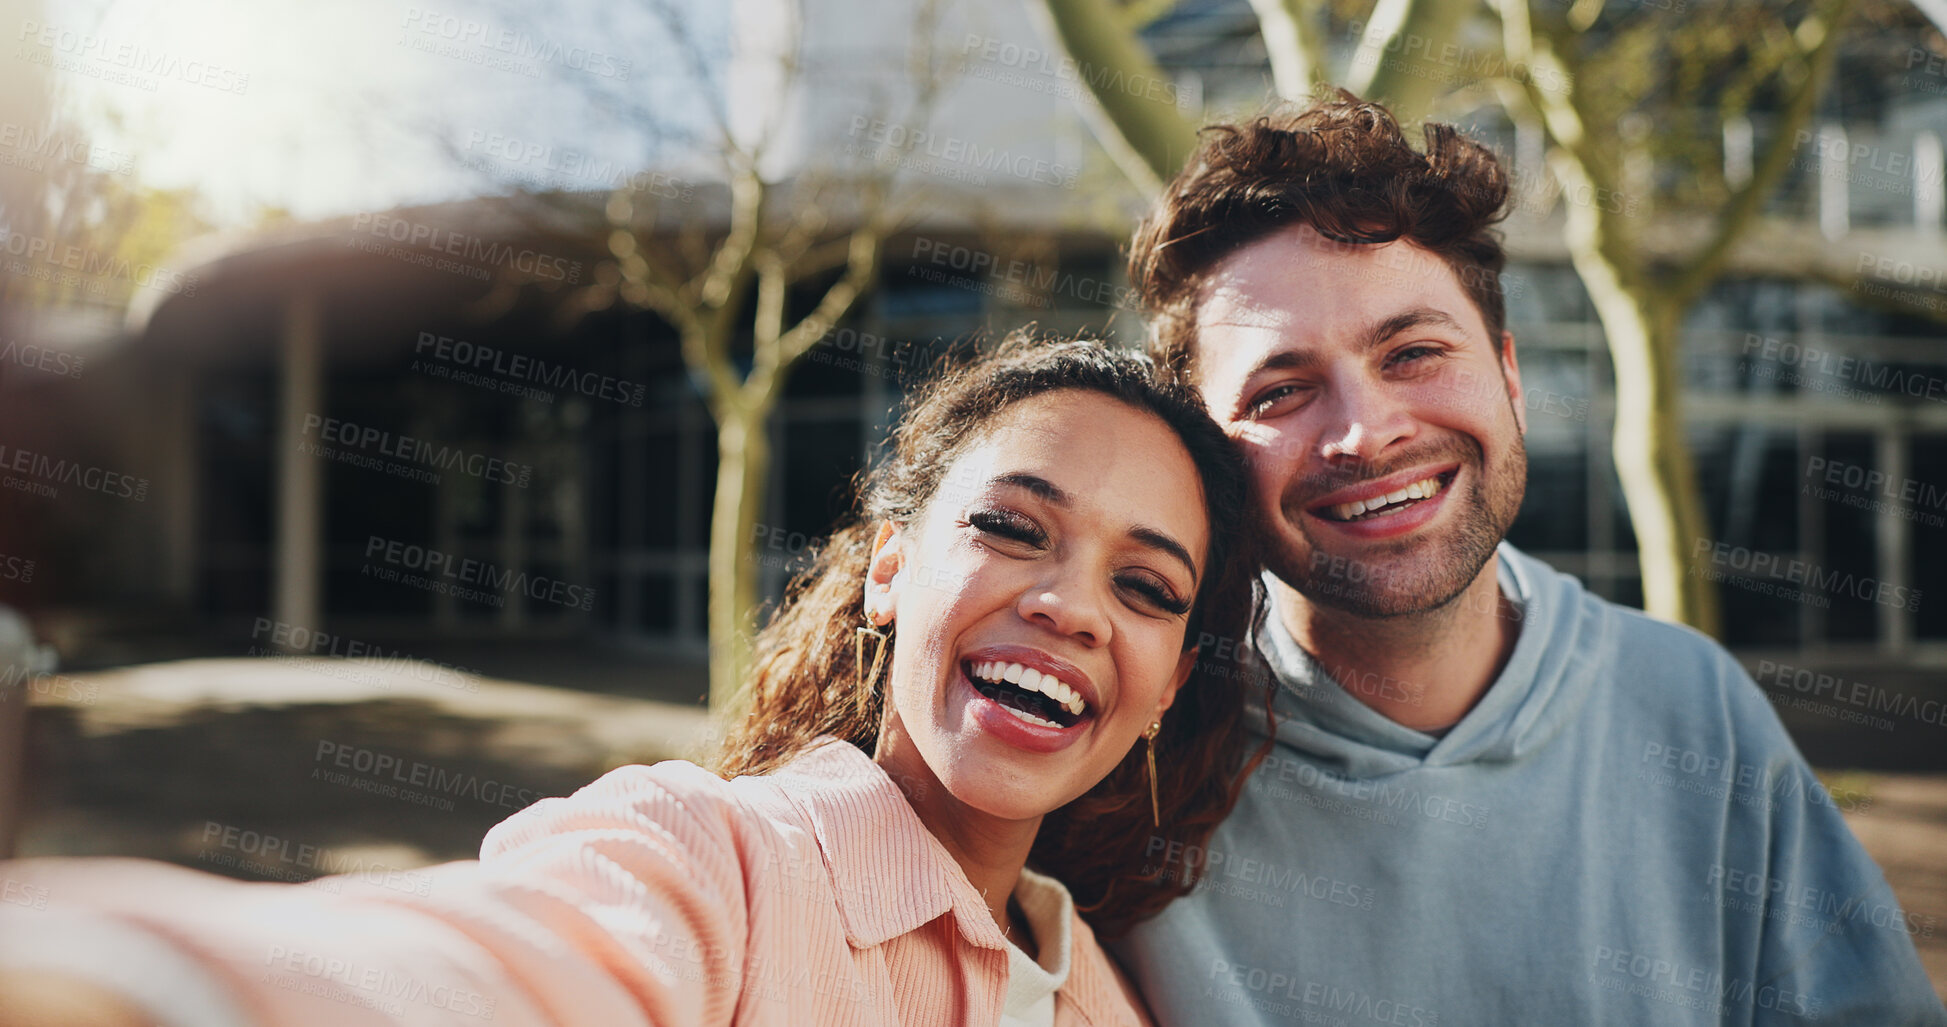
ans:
(1157, 540)
(1041, 487)
(1053, 494)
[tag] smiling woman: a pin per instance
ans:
(1049, 542)
(1050, 509)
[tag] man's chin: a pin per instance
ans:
(1379, 587)
(1377, 604)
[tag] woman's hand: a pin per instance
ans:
(54, 1000)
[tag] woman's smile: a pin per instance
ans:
(1027, 698)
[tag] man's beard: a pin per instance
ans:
(1409, 575)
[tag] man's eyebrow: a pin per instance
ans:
(1406, 321)
(1282, 360)
(1052, 493)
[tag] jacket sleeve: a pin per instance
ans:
(624, 904)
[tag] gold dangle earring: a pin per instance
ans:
(866, 683)
(1155, 811)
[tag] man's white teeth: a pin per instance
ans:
(1426, 488)
(1032, 680)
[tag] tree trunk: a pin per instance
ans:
(1659, 480)
(743, 471)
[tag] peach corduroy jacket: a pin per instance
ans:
(656, 895)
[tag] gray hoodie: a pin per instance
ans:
(1620, 832)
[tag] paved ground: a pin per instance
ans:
(233, 765)
(1905, 828)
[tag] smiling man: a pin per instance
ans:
(1494, 798)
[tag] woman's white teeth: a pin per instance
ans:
(1032, 680)
(1029, 717)
(1424, 489)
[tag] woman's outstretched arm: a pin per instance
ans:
(624, 904)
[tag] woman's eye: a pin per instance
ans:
(1008, 525)
(1154, 593)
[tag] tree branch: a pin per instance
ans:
(1391, 80)
(1148, 140)
(1290, 34)
(1140, 14)
(1824, 26)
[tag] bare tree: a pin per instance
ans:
(1591, 83)
(1591, 76)
(752, 285)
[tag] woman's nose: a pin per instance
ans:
(1068, 606)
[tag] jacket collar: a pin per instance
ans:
(892, 876)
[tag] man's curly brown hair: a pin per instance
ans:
(1340, 165)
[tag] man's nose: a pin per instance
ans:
(1366, 418)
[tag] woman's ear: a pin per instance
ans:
(1184, 665)
(884, 574)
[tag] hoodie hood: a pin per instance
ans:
(1546, 680)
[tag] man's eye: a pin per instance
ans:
(1272, 399)
(1008, 525)
(1154, 593)
(1412, 354)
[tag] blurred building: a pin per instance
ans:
(351, 428)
